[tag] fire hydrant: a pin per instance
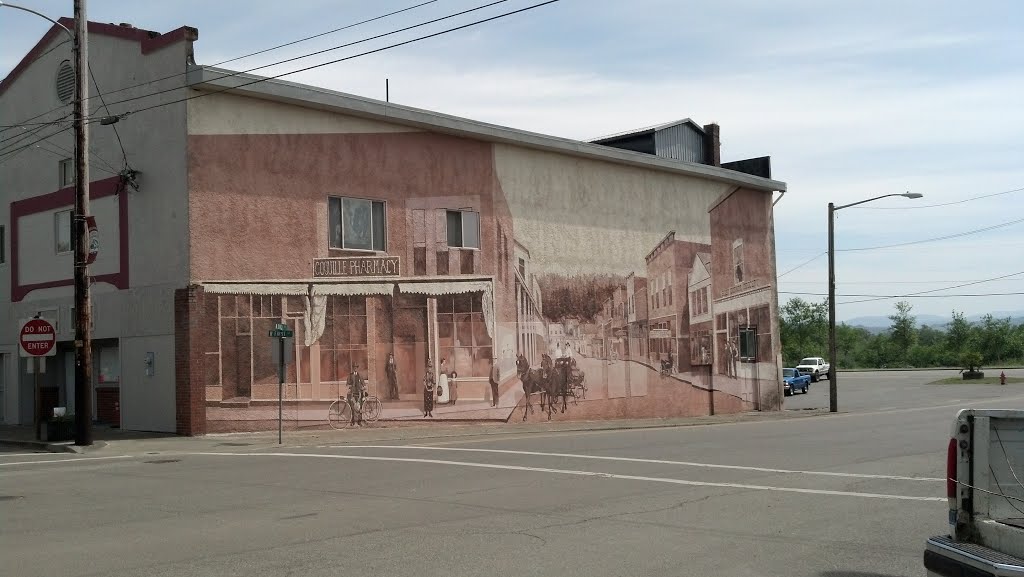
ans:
(1002, 378)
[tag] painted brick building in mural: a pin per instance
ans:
(374, 229)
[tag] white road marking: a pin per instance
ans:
(583, 474)
(653, 461)
(60, 461)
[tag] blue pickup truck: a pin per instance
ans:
(795, 381)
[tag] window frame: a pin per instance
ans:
(56, 232)
(739, 264)
(63, 166)
(462, 225)
(341, 216)
(750, 332)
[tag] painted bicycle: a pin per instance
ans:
(339, 414)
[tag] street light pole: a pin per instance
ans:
(833, 394)
(83, 305)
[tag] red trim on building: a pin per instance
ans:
(148, 40)
(61, 198)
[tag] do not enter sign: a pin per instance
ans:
(38, 339)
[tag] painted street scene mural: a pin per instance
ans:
(499, 299)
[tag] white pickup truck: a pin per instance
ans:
(814, 366)
(984, 472)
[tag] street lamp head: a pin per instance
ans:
(912, 194)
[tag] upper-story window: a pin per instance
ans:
(357, 224)
(737, 260)
(62, 231)
(66, 172)
(463, 229)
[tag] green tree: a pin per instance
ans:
(994, 338)
(803, 328)
(958, 334)
(903, 332)
(850, 344)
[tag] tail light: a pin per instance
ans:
(951, 459)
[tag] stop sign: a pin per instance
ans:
(38, 339)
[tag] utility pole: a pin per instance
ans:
(83, 305)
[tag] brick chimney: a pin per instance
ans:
(712, 145)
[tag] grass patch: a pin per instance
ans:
(986, 381)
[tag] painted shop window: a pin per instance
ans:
(462, 335)
(343, 344)
(463, 229)
(66, 172)
(357, 224)
(748, 343)
(62, 231)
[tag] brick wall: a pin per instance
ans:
(190, 411)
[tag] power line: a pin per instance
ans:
(177, 74)
(920, 206)
(9, 154)
(938, 238)
(124, 155)
(799, 266)
(887, 297)
(883, 282)
(368, 52)
(346, 45)
(925, 293)
(108, 169)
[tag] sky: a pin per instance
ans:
(852, 100)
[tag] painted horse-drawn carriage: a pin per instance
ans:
(553, 379)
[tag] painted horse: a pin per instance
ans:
(536, 381)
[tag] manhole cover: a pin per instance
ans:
(162, 461)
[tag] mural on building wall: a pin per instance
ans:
(445, 310)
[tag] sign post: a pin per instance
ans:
(282, 333)
(37, 340)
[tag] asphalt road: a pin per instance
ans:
(852, 494)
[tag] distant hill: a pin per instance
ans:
(877, 324)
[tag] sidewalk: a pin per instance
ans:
(23, 436)
(116, 441)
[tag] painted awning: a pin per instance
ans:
(444, 288)
(292, 289)
(457, 288)
(353, 289)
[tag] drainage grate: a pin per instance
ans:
(9, 497)
(162, 461)
(233, 444)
